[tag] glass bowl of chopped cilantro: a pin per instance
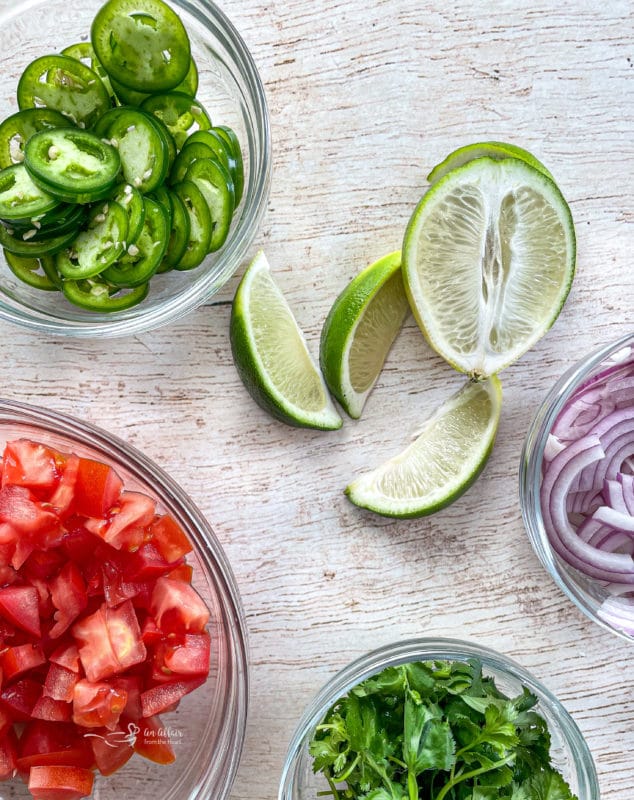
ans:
(577, 485)
(135, 162)
(437, 719)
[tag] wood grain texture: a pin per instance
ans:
(365, 97)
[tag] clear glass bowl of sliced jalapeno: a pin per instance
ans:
(134, 162)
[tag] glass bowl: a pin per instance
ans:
(569, 751)
(587, 593)
(231, 91)
(207, 730)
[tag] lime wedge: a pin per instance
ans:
(495, 150)
(441, 464)
(488, 260)
(271, 355)
(360, 329)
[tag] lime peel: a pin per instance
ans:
(449, 453)
(496, 150)
(271, 354)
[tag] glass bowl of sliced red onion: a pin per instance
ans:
(577, 485)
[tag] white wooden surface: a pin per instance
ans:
(365, 97)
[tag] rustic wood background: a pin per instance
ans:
(365, 97)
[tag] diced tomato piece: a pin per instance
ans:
(52, 710)
(132, 686)
(97, 705)
(177, 607)
(79, 544)
(170, 538)
(44, 564)
(20, 606)
(125, 635)
(150, 632)
(45, 604)
(190, 657)
(68, 593)
(95, 651)
(60, 683)
(8, 754)
(20, 697)
(26, 463)
(126, 523)
(53, 743)
(151, 742)
(147, 564)
(23, 512)
(60, 783)
(20, 659)
(64, 494)
(183, 572)
(161, 698)
(5, 721)
(97, 488)
(116, 588)
(66, 655)
(112, 749)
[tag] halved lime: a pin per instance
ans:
(360, 329)
(446, 458)
(488, 261)
(271, 354)
(495, 150)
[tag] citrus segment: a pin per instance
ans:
(444, 460)
(360, 329)
(488, 260)
(271, 355)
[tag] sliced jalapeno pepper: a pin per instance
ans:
(85, 52)
(65, 85)
(131, 200)
(141, 146)
(179, 235)
(237, 166)
(20, 198)
(66, 218)
(35, 272)
(199, 225)
(96, 294)
(181, 114)
(19, 127)
(130, 97)
(72, 164)
(142, 44)
(216, 185)
(190, 153)
(142, 258)
(97, 246)
(33, 248)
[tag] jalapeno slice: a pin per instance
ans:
(142, 258)
(20, 197)
(65, 85)
(84, 52)
(96, 294)
(192, 151)
(25, 245)
(236, 167)
(72, 164)
(131, 200)
(130, 97)
(97, 246)
(35, 272)
(17, 129)
(181, 114)
(142, 44)
(199, 225)
(141, 146)
(216, 186)
(179, 234)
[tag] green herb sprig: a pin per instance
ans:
(436, 730)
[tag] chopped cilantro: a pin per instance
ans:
(436, 731)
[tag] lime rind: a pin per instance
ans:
(271, 354)
(448, 455)
(495, 150)
(360, 329)
(488, 262)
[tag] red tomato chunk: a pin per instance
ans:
(100, 628)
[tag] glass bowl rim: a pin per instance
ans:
(531, 464)
(197, 293)
(426, 649)
(206, 545)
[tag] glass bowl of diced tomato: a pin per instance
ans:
(190, 241)
(123, 656)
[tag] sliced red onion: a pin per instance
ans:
(587, 491)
